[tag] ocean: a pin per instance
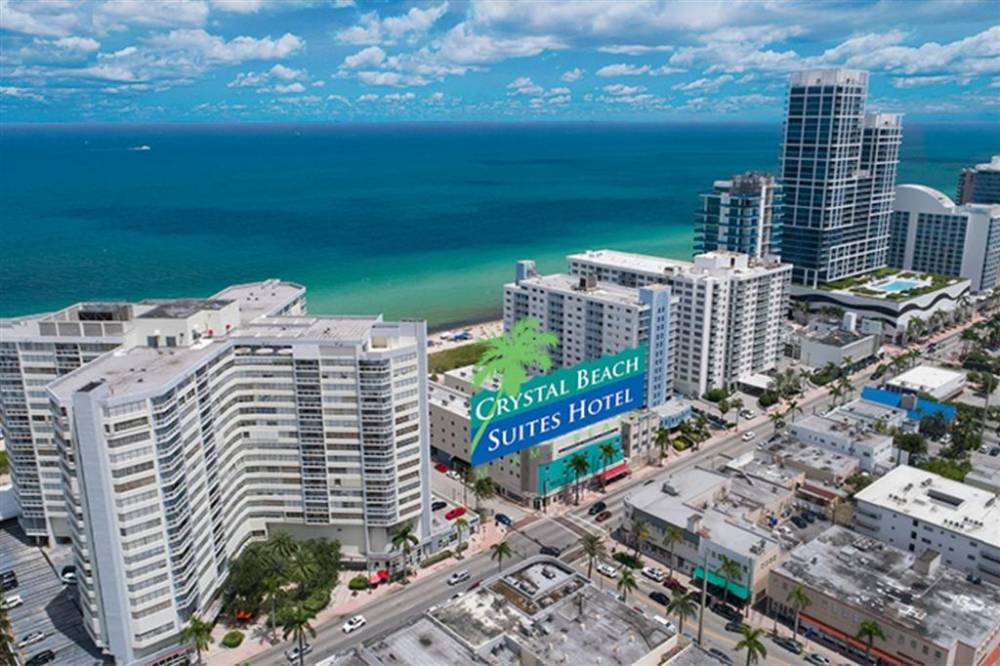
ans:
(411, 220)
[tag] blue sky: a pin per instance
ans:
(326, 60)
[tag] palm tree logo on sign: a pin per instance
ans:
(510, 357)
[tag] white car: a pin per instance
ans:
(458, 577)
(69, 578)
(667, 624)
(653, 574)
(748, 436)
(607, 570)
(818, 659)
(13, 601)
(293, 654)
(452, 474)
(748, 414)
(354, 624)
(31, 639)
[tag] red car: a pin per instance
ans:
(441, 467)
(602, 516)
(675, 585)
(455, 513)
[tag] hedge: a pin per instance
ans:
(358, 583)
(232, 639)
(317, 601)
(767, 399)
(434, 559)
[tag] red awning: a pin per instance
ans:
(614, 472)
(374, 579)
(383, 575)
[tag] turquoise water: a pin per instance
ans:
(421, 220)
(897, 285)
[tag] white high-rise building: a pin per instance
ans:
(594, 319)
(981, 183)
(727, 312)
(930, 233)
(216, 421)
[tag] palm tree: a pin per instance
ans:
(737, 404)
(799, 601)
(6, 634)
(580, 466)
(672, 537)
(868, 632)
(272, 588)
(460, 525)
(724, 407)
(198, 633)
(499, 551)
(752, 643)
(638, 532)
(511, 357)
(626, 583)
(777, 420)
(731, 571)
(594, 549)
(663, 442)
(683, 606)
(483, 488)
(845, 385)
(303, 571)
(282, 545)
(836, 392)
(608, 452)
(297, 626)
(403, 538)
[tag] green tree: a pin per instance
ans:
(731, 571)
(737, 405)
(297, 626)
(934, 426)
(662, 442)
(910, 442)
(272, 590)
(511, 357)
(579, 464)
(594, 549)
(751, 641)
(724, 408)
(302, 570)
(683, 606)
(403, 540)
(608, 452)
(777, 420)
(6, 635)
(460, 525)
(868, 632)
(198, 634)
(799, 601)
(282, 545)
(483, 488)
(672, 537)
(499, 551)
(626, 583)
(638, 532)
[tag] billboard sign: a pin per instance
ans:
(561, 402)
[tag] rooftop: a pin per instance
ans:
(842, 425)
(926, 378)
(180, 308)
(262, 299)
(938, 501)
(882, 580)
(791, 450)
(607, 292)
(837, 337)
(643, 263)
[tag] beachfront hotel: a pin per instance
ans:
(981, 183)
(742, 214)
(838, 173)
(727, 310)
(214, 422)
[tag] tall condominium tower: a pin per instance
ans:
(727, 311)
(214, 422)
(980, 184)
(594, 319)
(838, 170)
(742, 214)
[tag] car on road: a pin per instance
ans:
(789, 644)
(659, 597)
(455, 513)
(735, 625)
(452, 474)
(607, 570)
(799, 522)
(43, 657)
(995, 451)
(354, 624)
(725, 610)
(596, 508)
(748, 414)
(8, 583)
(652, 573)
(12, 601)
(675, 585)
(720, 655)
(748, 436)
(667, 624)
(31, 639)
(551, 551)
(817, 659)
(602, 516)
(437, 505)
(503, 519)
(441, 467)
(458, 577)
(294, 655)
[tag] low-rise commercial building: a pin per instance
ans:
(930, 614)
(718, 516)
(837, 346)
(916, 510)
(938, 383)
(858, 428)
(816, 463)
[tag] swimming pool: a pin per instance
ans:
(896, 285)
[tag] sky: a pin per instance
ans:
(484, 60)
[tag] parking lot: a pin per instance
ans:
(48, 605)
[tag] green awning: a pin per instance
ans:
(735, 589)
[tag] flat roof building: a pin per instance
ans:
(858, 428)
(938, 383)
(981, 183)
(930, 614)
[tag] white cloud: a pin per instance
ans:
(285, 88)
(572, 75)
(919, 81)
(435, 98)
(20, 93)
(319, 83)
(279, 71)
(114, 13)
(559, 100)
(201, 45)
(557, 91)
(339, 98)
(704, 84)
(463, 46)
(371, 56)
(259, 80)
(368, 98)
(634, 49)
(248, 80)
(524, 86)
(373, 30)
(625, 69)
(54, 20)
(399, 97)
(622, 89)
(80, 44)
(395, 79)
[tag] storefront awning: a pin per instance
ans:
(614, 472)
(735, 589)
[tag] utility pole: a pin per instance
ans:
(704, 594)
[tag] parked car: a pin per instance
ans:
(503, 519)
(653, 573)
(789, 644)
(720, 655)
(458, 577)
(808, 516)
(43, 657)
(748, 436)
(748, 414)
(675, 585)
(551, 551)
(455, 513)
(596, 508)
(452, 474)
(607, 570)
(734, 625)
(68, 577)
(995, 451)
(665, 623)
(817, 659)
(294, 655)
(799, 522)
(437, 505)
(13, 601)
(602, 516)
(354, 624)
(9, 573)
(725, 610)
(659, 597)
(31, 639)
(441, 467)
(8, 583)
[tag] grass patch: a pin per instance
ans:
(233, 639)
(456, 357)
